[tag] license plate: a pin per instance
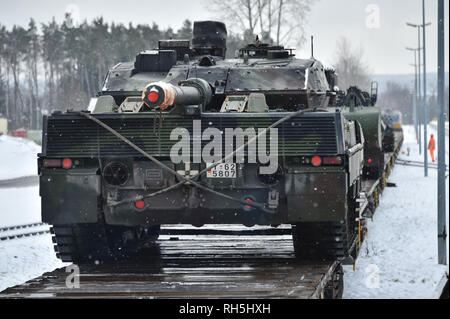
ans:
(225, 170)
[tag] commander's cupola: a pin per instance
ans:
(261, 50)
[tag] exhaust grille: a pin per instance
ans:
(74, 136)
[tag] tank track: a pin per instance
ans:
(95, 243)
(322, 241)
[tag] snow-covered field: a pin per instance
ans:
(19, 206)
(397, 260)
(25, 258)
(18, 157)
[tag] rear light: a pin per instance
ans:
(51, 162)
(139, 204)
(336, 160)
(248, 199)
(67, 163)
(316, 161)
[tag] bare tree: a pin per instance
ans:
(279, 21)
(243, 14)
(350, 66)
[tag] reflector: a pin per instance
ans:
(336, 160)
(248, 200)
(139, 204)
(67, 163)
(52, 162)
(316, 161)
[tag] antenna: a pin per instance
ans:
(312, 47)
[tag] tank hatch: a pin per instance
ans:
(265, 51)
(155, 61)
(181, 47)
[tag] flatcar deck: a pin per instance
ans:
(196, 266)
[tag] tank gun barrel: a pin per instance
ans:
(162, 95)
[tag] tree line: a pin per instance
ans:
(55, 65)
(51, 66)
(400, 97)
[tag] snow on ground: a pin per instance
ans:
(18, 157)
(26, 258)
(19, 206)
(399, 257)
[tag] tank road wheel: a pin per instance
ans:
(321, 241)
(125, 242)
(94, 243)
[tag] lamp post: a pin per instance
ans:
(425, 113)
(415, 113)
(442, 211)
(418, 26)
(419, 91)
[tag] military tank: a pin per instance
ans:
(182, 135)
(378, 128)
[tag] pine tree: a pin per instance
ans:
(185, 32)
(73, 60)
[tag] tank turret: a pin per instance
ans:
(271, 72)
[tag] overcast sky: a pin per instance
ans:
(383, 40)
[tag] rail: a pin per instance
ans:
(34, 229)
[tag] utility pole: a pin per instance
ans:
(415, 112)
(419, 82)
(419, 90)
(442, 233)
(425, 115)
(418, 26)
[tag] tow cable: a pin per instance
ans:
(190, 180)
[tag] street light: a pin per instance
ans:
(425, 120)
(419, 91)
(415, 114)
(442, 211)
(418, 26)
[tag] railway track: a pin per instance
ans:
(21, 231)
(406, 162)
(24, 181)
